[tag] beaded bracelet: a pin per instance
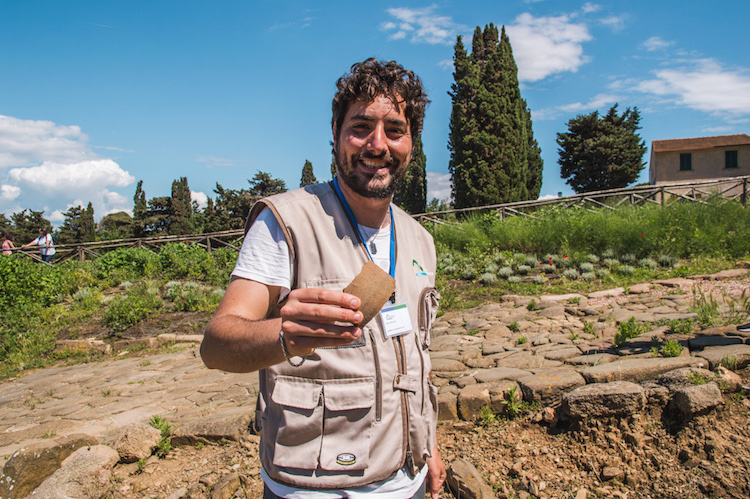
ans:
(286, 355)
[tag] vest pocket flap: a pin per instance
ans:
(296, 392)
(349, 394)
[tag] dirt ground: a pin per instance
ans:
(643, 456)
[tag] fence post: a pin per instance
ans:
(81, 256)
(208, 243)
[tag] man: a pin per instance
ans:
(345, 409)
(44, 241)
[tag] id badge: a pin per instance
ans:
(396, 320)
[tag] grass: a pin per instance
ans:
(164, 445)
(629, 329)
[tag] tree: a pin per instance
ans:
(411, 194)
(26, 225)
(308, 177)
(181, 209)
(139, 210)
(263, 185)
(599, 153)
(494, 156)
(229, 211)
(118, 225)
(78, 225)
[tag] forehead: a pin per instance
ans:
(380, 108)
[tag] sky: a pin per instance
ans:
(98, 95)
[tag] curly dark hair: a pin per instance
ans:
(366, 80)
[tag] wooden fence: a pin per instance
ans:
(734, 188)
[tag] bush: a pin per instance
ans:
(140, 301)
(627, 330)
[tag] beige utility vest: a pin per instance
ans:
(352, 415)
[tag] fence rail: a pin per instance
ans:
(734, 188)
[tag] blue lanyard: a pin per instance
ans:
(353, 220)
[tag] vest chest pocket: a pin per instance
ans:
(323, 424)
(429, 300)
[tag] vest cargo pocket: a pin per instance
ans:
(300, 423)
(429, 299)
(347, 424)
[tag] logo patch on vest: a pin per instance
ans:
(346, 459)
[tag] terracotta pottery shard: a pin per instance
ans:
(373, 286)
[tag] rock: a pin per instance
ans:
(84, 474)
(447, 406)
(637, 370)
(136, 442)
(448, 365)
(227, 425)
(471, 400)
(226, 487)
(466, 482)
(695, 400)
(685, 376)
(592, 359)
(612, 473)
(728, 380)
(547, 388)
(28, 467)
(734, 357)
(500, 373)
(607, 293)
(618, 398)
(702, 342)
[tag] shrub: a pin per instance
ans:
(514, 279)
(539, 279)
(591, 258)
(139, 302)
(666, 261)
(513, 326)
(488, 278)
(531, 306)
(531, 261)
(468, 273)
(571, 274)
(671, 348)
(629, 329)
(681, 326)
(647, 263)
(610, 262)
(588, 276)
(505, 272)
(586, 267)
(523, 269)
(625, 270)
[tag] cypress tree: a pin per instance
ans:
(308, 177)
(494, 157)
(411, 194)
(139, 210)
(181, 216)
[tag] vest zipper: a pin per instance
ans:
(378, 380)
(405, 404)
(421, 363)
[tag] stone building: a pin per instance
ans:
(700, 158)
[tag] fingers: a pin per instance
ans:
(322, 306)
(314, 318)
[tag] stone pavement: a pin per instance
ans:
(99, 399)
(545, 349)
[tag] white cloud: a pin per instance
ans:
(615, 23)
(9, 192)
(215, 162)
(422, 26)
(71, 178)
(599, 101)
(706, 86)
(28, 142)
(199, 197)
(588, 8)
(49, 167)
(438, 186)
(543, 46)
(656, 43)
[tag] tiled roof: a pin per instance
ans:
(739, 139)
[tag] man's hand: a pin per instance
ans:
(309, 318)
(436, 474)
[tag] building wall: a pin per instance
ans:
(706, 164)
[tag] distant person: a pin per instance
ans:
(8, 244)
(44, 241)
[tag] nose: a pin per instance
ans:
(377, 141)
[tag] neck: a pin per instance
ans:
(370, 212)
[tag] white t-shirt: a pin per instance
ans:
(41, 241)
(264, 257)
